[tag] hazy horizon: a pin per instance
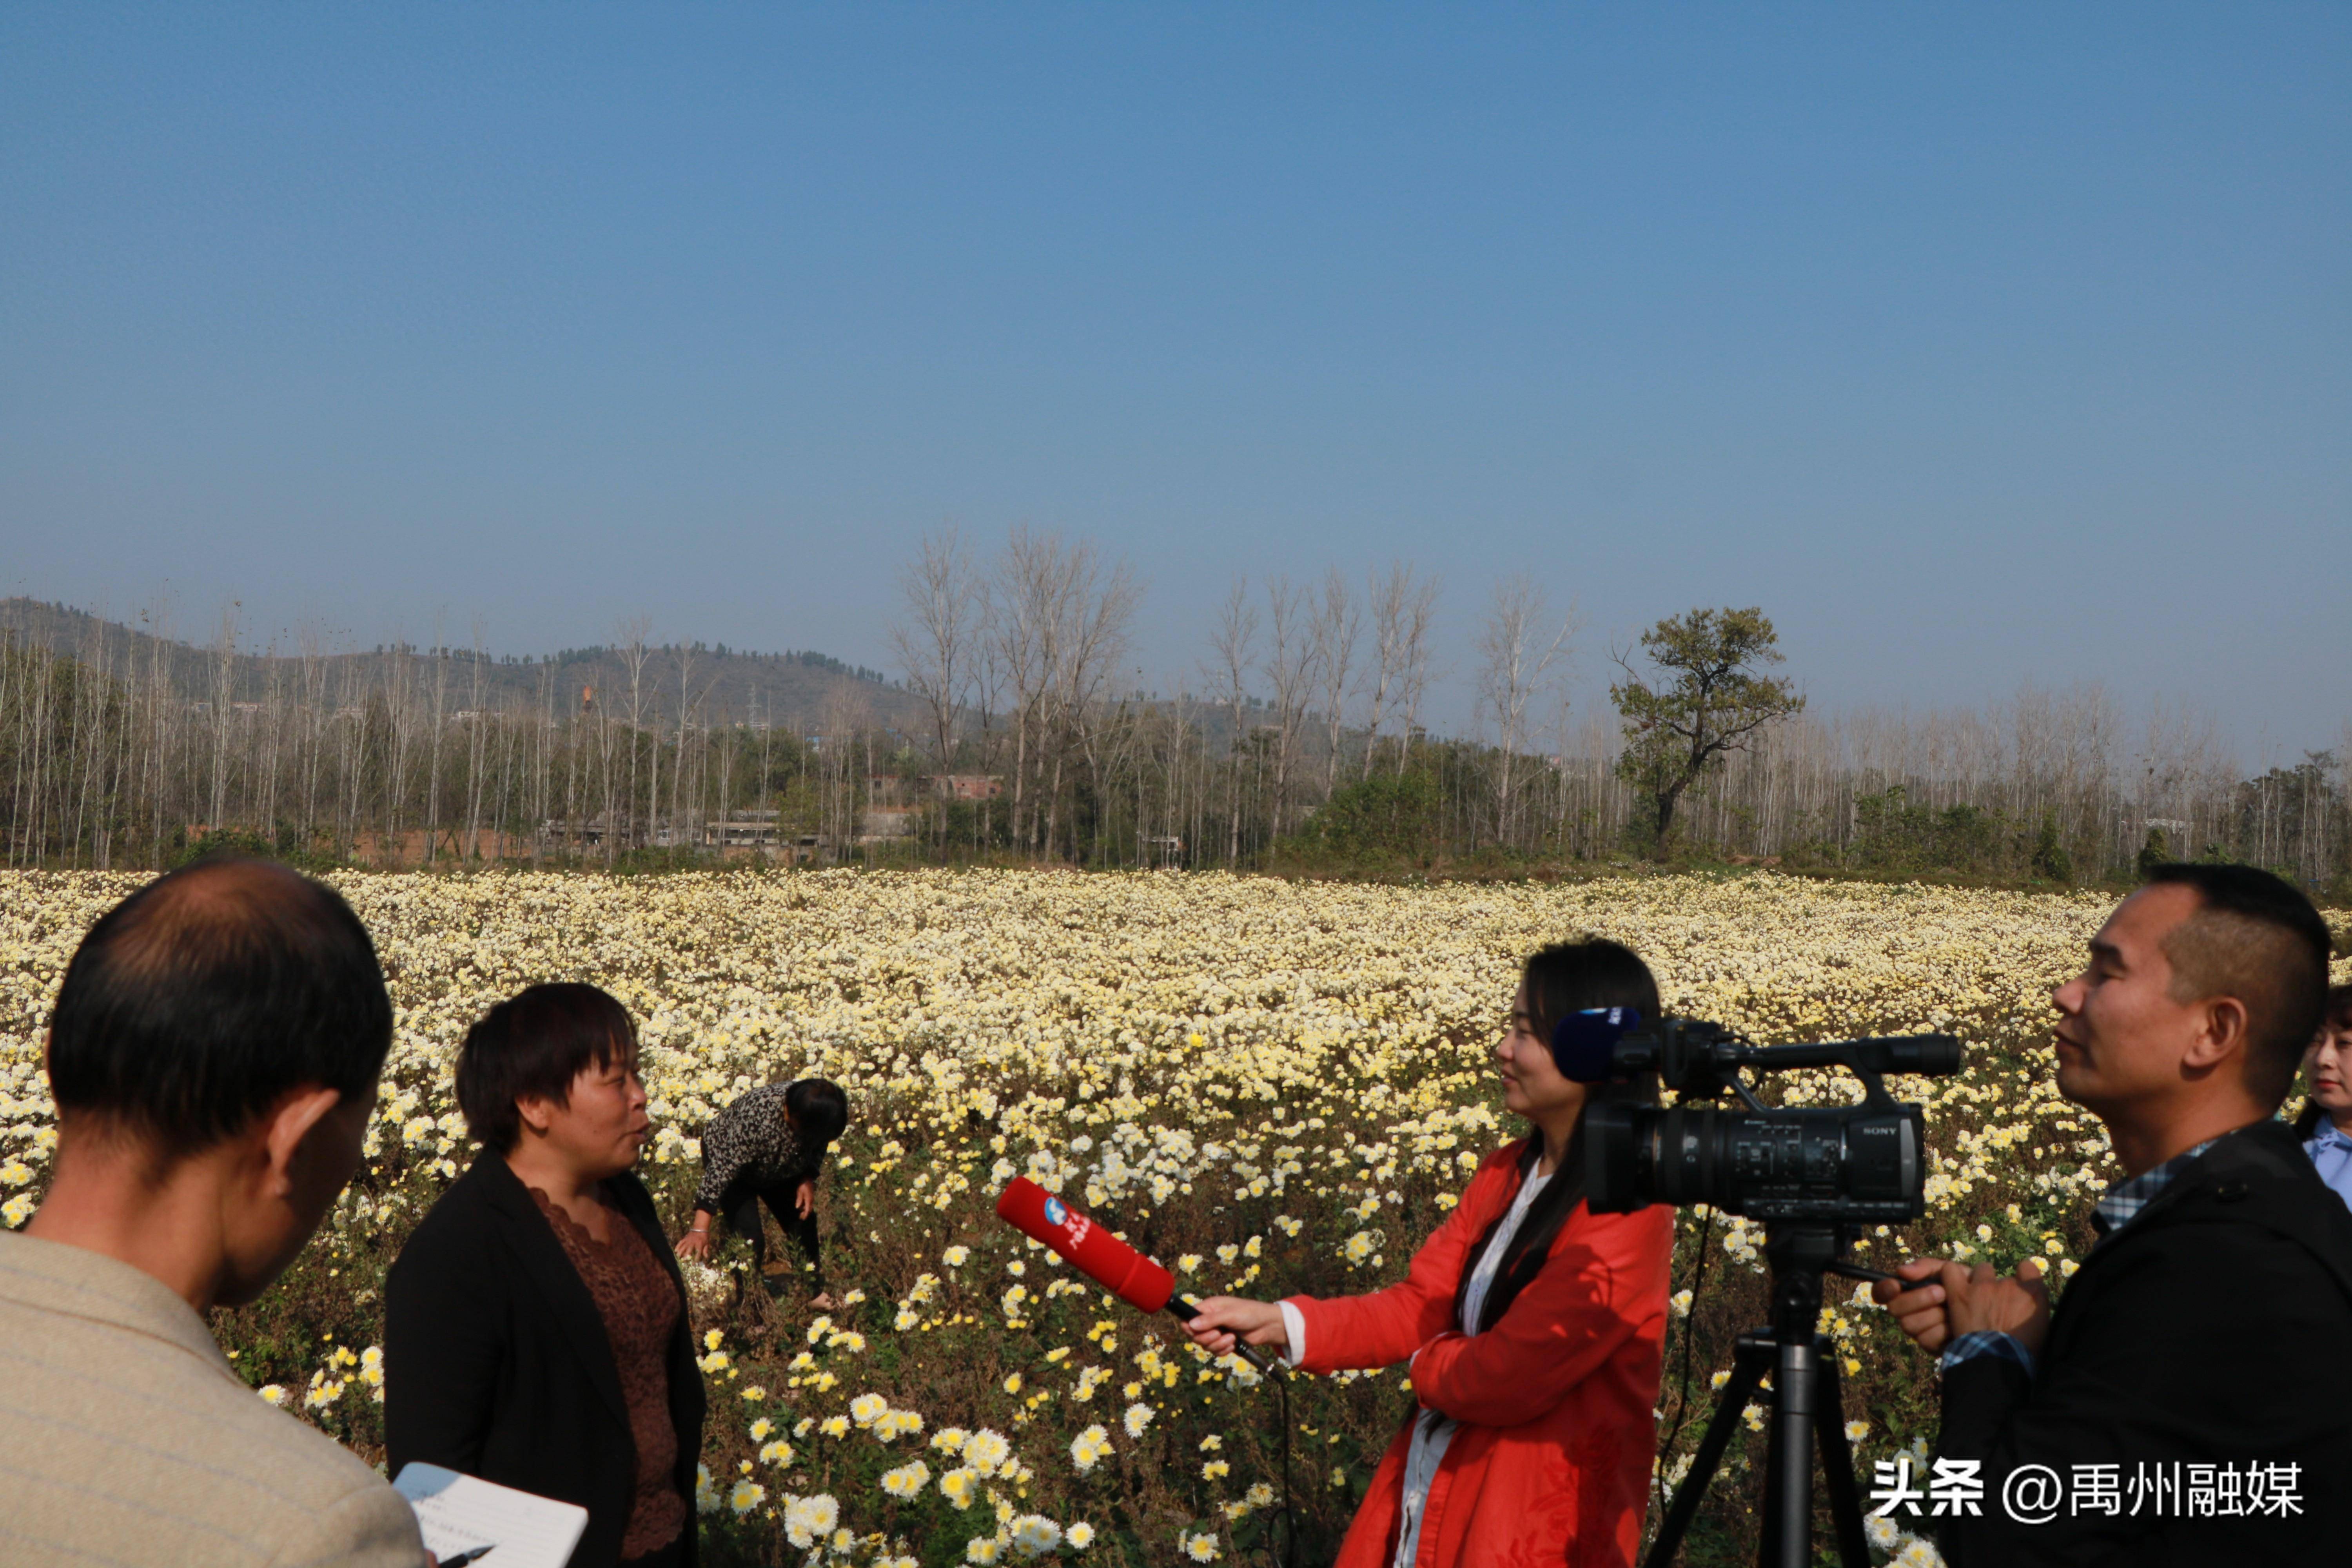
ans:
(1978, 348)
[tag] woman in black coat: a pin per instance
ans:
(536, 1331)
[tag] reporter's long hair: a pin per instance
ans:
(1566, 977)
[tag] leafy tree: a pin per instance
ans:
(1705, 699)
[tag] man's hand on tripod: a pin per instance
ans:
(1955, 1300)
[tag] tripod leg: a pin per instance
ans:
(1837, 1465)
(1789, 1518)
(1748, 1366)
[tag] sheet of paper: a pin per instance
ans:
(457, 1513)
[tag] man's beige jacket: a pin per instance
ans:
(126, 1439)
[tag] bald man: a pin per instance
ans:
(214, 1056)
(2191, 1399)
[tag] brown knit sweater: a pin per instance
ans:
(639, 1305)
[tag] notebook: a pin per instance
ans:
(458, 1513)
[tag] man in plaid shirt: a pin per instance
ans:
(2205, 1331)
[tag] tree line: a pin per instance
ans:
(1021, 731)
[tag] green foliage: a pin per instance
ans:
(1386, 818)
(1892, 835)
(185, 847)
(2153, 853)
(2050, 857)
(1704, 700)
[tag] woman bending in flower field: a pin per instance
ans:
(2326, 1121)
(767, 1148)
(535, 1326)
(1534, 1327)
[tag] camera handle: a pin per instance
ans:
(1808, 1410)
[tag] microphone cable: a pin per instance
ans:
(1289, 1519)
(1278, 1372)
(1682, 1393)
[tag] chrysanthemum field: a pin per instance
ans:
(1273, 1087)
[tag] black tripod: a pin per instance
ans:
(1805, 1407)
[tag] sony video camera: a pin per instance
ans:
(1848, 1163)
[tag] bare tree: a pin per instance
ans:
(1232, 639)
(845, 713)
(1291, 670)
(629, 639)
(947, 615)
(1404, 603)
(679, 810)
(1030, 588)
(314, 701)
(1100, 610)
(478, 739)
(262, 795)
(224, 707)
(1338, 624)
(1517, 651)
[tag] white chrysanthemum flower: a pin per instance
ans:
(1033, 1535)
(1088, 1448)
(986, 1451)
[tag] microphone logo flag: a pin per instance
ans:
(1079, 1241)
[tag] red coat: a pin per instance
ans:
(1551, 1462)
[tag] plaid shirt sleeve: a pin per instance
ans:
(1985, 1341)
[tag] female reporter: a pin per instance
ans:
(1534, 1327)
(535, 1325)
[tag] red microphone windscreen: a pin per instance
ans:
(1086, 1246)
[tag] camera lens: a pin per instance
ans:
(1818, 1163)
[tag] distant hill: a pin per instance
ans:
(803, 691)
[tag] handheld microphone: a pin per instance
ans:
(1583, 1043)
(1100, 1256)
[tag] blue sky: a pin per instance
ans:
(1976, 344)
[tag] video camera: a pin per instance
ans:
(1847, 1164)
